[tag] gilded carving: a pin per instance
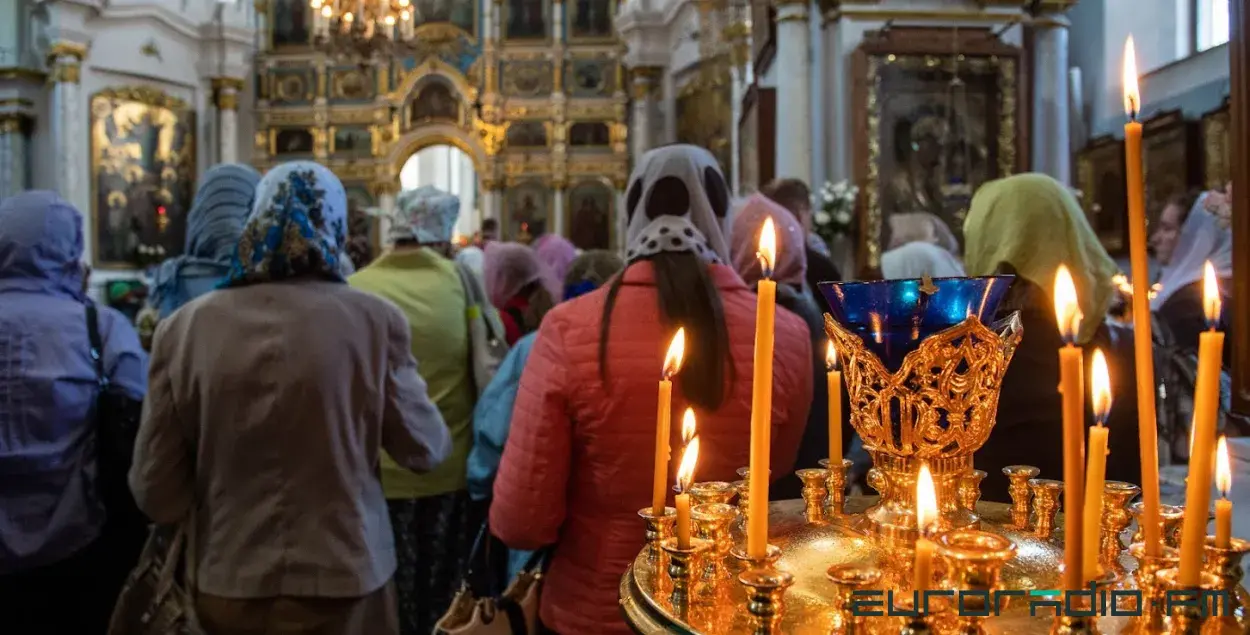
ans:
(492, 136)
(351, 84)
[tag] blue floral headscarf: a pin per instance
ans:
(298, 227)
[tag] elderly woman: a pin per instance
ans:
(1028, 225)
(271, 403)
(429, 512)
(60, 564)
(1188, 237)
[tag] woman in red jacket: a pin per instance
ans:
(577, 466)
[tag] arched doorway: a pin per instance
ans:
(452, 170)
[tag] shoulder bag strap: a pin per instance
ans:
(97, 347)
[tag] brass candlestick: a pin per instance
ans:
(847, 579)
(813, 493)
(1115, 519)
(970, 489)
(975, 559)
(712, 492)
(713, 521)
(915, 621)
(1188, 617)
(835, 484)
(682, 563)
(1046, 494)
(1020, 492)
(1150, 618)
(1225, 564)
(743, 490)
(658, 528)
(766, 590)
(1170, 519)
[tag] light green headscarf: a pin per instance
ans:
(1033, 223)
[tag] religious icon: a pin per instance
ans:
(592, 18)
(589, 77)
(457, 12)
(353, 140)
(293, 141)
(527, 19)
(351, 85)
(435, 101)
(529, 206)
(588, 133)
(590, 224)
(527, 134)
(290, 22)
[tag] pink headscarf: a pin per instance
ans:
(557, 254)
(791, 242)
(508, 268)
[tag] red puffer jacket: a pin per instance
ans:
(578, 463)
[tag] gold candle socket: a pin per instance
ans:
(682, 563)
(813, 493)
(1188, 616)
(658, 528)
(1115, 519)
(847, 579)
(1020, 492)
(1170, 519)
(970, 489)
(766, 590)
(975, 559)
(1225, 563)
(835, 484)
(743, 489)
(712, 492)
(1150, 613)
(1046, 495)
(713, 521)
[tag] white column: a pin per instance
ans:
(557, 216)
(1052, 151)
(557, 21)
(618, 220)
(69, 134)
(386, 205)
(837, 104)
(14, 175)
(226, 99)
(737, 91)
(645, 85)
(490, 203)
(794, 101)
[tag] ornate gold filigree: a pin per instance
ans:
(492, 135)
(144, 95)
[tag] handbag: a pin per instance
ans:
(153, 602)
(513, 612)
(117, 425)
(487, 345)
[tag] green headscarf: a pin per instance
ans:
(1033, 223)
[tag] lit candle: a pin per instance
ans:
(685, 476)
(406, 26)
(1223, 507)
(926, 516)
(1096, 471)
(1071, 368)
(672, 364)
(835, 406)
(1206, 408)
(762, 397)
(1143, 346)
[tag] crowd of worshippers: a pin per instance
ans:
(336, 440)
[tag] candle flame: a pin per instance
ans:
(1067, 310)
(348, 17)
(1100, 387)
(1132, 97)
(685, 471)
(926, 499)
(676, 353)
(831, 357)
(768, 248)
(1211, 295)
(326, 11)
(390, 20)
(687, 426)
(1223, 469)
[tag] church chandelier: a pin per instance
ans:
(367, 30)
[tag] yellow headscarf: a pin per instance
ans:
(1033, 223)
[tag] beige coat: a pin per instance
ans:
(267, 411)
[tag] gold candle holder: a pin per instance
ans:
(1187, 617)
(658, 528)
(919, 623)
(970, 489)
(713, 522)
(1074, 625)
(1225, 564)
(835, 484)
(682, 563)
(743, 490)
(712, 492)
(847, 579)
(766, 589)
(1170, 519)
(813, 493)
(1150, 613)
(1115, 519)
(1020, 492)
(1046, 503)
(975, 559)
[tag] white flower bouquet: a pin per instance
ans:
(835, 210)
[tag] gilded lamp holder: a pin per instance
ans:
(974, 559)
(813, 492)
(1225, 564)
(1188, 618)
(1046, 504)
(847, 579)
(683, 564)
(1170, 519)
(1018, 477)
(1152, 587)
(1115, 519)
(658, 528)
(710, 492)
(835, 485)
(713, 521)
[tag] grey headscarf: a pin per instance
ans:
(677, 201)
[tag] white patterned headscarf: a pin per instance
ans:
(426, 215)
(677, 201)
(1204, 237)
